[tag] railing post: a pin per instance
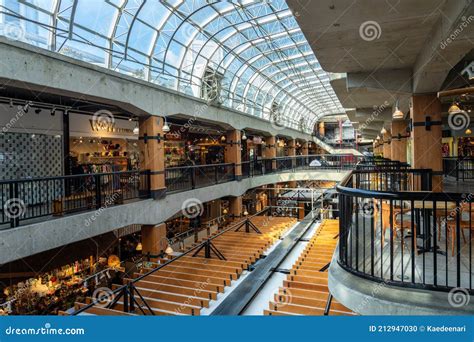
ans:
(14, 198)
(216, 177)
(193, 177)
(98, 192)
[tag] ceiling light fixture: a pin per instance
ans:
(136, 130)
(397, 114)
(383, 130)
(454, 109)
(166, 128)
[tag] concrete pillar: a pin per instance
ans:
(399, 140)
(233, 152)
(235, 207)
(387, 151)
(152, 153)
(321, 129)
(270, 147)
(305, 148)
(426, 136)
(154, 240)
(291, 148)
(270, 150)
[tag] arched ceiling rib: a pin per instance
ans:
(256, 46)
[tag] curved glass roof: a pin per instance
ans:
(256, 48)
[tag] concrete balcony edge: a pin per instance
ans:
(27, 240)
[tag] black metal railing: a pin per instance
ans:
(401, 235)
(193, 177)
(459, 167)
(28, 199)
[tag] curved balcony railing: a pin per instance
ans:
(29, 200)
(393, 230)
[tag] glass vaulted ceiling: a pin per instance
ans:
(256, 48)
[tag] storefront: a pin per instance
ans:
(194, 145)
(102, 147)
(71, 274)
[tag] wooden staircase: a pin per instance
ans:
(305, 291)
(189, 284)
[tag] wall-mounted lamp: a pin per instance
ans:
(397, 114)
(166, 128)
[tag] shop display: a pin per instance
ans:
(57, 290)
(103, 155)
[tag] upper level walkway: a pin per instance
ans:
(42, 214)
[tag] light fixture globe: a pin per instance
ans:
(398, 114)
(454, 109)
(378, 137)
(383, 130)
(166, 128)
(169, 250)
(468, 131)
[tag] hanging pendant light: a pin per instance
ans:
(244, 137)
(139, 247)
(468, 131)
(378, 137)
(383, 131)
(136, 130)
(166, 128)
(454, 109)
(397, 114)
(169, 250)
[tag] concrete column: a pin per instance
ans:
(426, 139)
(292, 153)
(152, 153)
(399, 140)
(270, 150)
(387, 151)
(270, 147)
(154, 240)
(233, 153)
(235, 207)
(321, 129)
(291, 148)
(305, 148)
